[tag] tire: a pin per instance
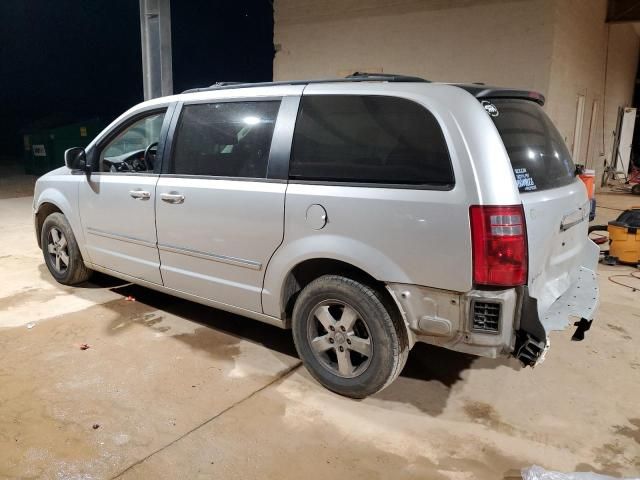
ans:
(363, 358)
(59, 243)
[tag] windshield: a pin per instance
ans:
(539, 157)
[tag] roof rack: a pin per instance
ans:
(354, 77)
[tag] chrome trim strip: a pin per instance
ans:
(574, 218)
(566, 226)
(240, 262)
(123, 238)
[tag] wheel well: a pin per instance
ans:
(44, 211)
(305, 272)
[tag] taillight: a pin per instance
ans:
(499, 239)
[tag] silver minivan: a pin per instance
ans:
(366, 214)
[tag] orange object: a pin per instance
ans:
(589, 179)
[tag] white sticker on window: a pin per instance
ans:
(524, 180)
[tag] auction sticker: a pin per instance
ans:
(524, 180)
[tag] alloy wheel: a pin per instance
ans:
(340, 339)
(58, 250)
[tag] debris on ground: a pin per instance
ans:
(538, 473)
(30, 325)
(130, 298)
(95, 426)
(84, 346)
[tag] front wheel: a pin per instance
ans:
(348, 337)
(61, 252)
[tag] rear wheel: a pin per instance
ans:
(349, 339)
(61, 253)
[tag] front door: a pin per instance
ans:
(117, 201)
(219, 217)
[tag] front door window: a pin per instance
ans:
(134, 149)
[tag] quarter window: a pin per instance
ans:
(369, 139)
(230, 139)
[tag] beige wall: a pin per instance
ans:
(587, 53)
(577, 68)
(491, 41)
(622, 63)
(557, 47)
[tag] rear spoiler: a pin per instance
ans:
(481, 92)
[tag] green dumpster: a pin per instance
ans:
(44, 147)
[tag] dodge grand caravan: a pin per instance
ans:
(366, 214)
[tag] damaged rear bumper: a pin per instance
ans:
(579, 301)
(463, 321)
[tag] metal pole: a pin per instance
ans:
(155, 33)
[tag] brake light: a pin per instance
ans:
(499, 241)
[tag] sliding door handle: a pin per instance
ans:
(140, 194)
(172, 197)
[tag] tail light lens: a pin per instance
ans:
(499, 239)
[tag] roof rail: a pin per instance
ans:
(354, 77)
(383, 77)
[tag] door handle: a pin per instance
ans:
(172, 197)
(140, 194)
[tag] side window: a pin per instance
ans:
(134, 148)
(229, 139)
(369, 139)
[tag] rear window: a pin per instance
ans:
(539, 157)
(369, 139)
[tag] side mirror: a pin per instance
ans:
(76, 159)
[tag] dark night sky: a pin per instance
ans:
(81, 58)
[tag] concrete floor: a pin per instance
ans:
(169, 389)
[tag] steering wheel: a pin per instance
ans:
(146, 159)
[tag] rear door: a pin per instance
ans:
(555, 200)
(220, 207)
